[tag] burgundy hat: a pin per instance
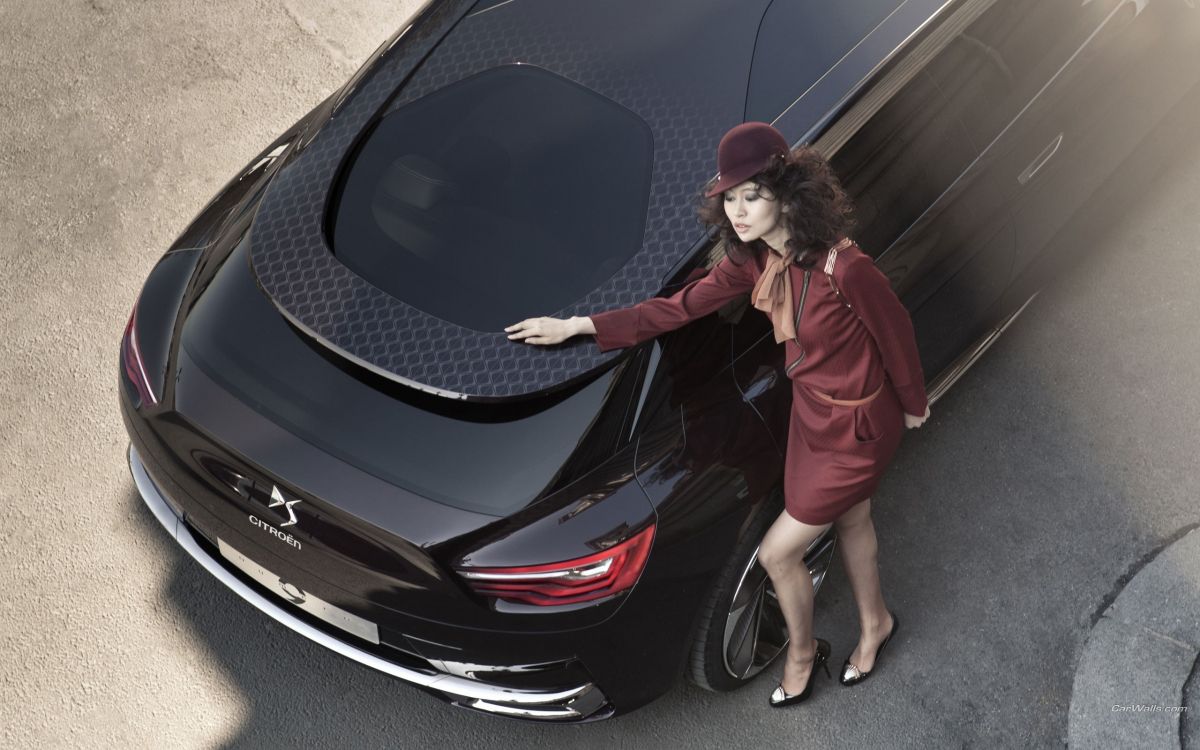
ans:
(744, 151)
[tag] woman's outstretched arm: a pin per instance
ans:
(626, 326)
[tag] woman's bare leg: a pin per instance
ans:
(782, 555)
(856, 538)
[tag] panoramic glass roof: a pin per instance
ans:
(468, 201)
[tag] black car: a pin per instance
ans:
(324, 409)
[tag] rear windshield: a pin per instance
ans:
(512, 193)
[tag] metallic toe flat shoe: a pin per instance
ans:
(780, 697)
(852, 675)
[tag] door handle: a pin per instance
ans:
(1138, 5)
(1050, 150)
(760, 385)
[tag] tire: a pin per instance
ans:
(736, 640)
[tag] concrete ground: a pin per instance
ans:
(1033, 535)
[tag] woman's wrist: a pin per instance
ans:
(581, 325)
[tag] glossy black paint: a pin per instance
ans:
(686, 432)
(411, 439)
(160, 299)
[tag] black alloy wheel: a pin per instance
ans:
(741, 629)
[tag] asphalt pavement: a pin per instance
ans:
(1036, 535)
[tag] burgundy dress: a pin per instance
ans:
(836, 453)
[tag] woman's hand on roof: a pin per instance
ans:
(542, 330)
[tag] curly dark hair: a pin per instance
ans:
(819, 214)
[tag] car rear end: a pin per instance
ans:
(398, 481)
(486, 554)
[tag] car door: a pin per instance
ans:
(757, 369)
(937, 227)
(1083, 82)
(1021, 79)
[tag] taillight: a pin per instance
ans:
(131, 359)
(581, 579)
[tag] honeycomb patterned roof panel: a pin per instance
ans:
(682, 68)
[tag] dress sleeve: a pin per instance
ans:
(626, 326)
(871, 296)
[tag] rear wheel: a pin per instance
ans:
(741, 628)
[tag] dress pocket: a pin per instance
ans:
(867, 430)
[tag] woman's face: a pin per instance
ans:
(754, 213)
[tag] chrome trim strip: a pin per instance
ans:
(842, 59)
(485, 10)
(647, 378)
(528, 713)
(137, 360)
(591, 571)
(482, 695)
(958, 367)
(150, 494)
(363, 363)
(1040, 160)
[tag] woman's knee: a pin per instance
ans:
(858, 516)
(771, 557)
(785, 543)
(775, 554)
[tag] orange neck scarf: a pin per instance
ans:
(772, 294)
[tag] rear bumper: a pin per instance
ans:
(578, 703)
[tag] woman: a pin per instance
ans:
(850, 352)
